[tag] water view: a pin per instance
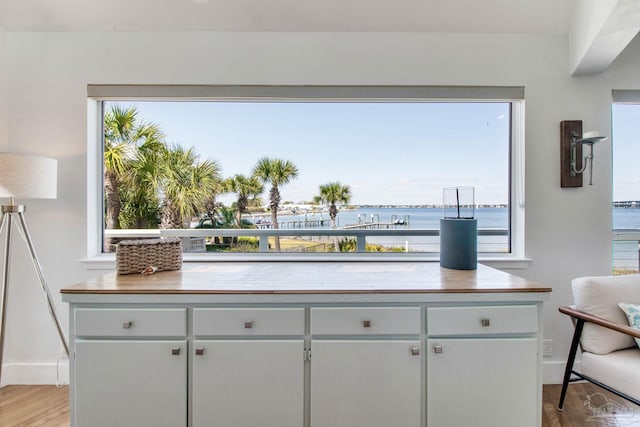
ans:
(400, 218)
(416, 217)
(225, 180)
(625, 253)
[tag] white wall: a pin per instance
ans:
(589, 16)
(567, 230)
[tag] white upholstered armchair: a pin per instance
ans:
(606, 316)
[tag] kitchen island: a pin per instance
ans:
(307, 344)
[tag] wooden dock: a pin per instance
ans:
(374, 226)
(363, 224)
(289, 225)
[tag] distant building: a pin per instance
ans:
(627, 204)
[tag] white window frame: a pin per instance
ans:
(624, 97)
(512, 94)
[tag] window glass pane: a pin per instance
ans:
(394, 157)
(626, 186)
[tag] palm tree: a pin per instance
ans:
(120, 140)
(330, 194)
(140, 209)
(244, 187)
(212, 207)
(187, 184)
(125, 140)
(276, 172)
(139, 192)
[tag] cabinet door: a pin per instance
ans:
(365, 383)
(130, 383)
(482, 382)
(248, 383)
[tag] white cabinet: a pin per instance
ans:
(335, 363)
(482, 382)
(361, 373)
(482, 320)
(130, 383)
(340, 321)
(245, 383)
(372, 383)
(248, 322)
(483, 366)
(129, 367)
(254, 380)
(136, 322)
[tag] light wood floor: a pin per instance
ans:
(581, 408)
(34, 405)
(48, 406)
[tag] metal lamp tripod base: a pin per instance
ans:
(8, 213)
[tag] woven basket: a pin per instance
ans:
(133, 256)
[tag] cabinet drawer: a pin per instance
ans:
(250, 321)
(488, 320)
(365, 320)
(152, 322)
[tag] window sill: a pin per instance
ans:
(107, 262)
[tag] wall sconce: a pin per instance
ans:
(572, 163)
(588, 138)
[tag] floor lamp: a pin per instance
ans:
(24, 177)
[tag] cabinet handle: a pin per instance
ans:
(127, 325)
(175, 351)
(415, 351)
(437, 348)
(366, 323)
(485, 321)
(248, 324)
(199, 351)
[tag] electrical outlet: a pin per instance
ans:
(547, 348)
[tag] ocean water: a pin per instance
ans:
(415, 218)
(430, 217)
(625, 254)
(626, 218)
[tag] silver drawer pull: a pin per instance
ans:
(437, 348)
(366, 323)
(127, 325)
(199, 351)
(248, 324)
(415, 351)
(485, 322)
(175, 351)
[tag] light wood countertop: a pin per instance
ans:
(310, 278)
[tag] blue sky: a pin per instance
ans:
(388, 153)
(626, 152)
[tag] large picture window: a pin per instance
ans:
(305, 173)
(626, 182)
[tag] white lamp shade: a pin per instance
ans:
(28, 177)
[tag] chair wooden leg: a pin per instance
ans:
(570, 360)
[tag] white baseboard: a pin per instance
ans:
(35, 373)
(553, 371)
(54, 373)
